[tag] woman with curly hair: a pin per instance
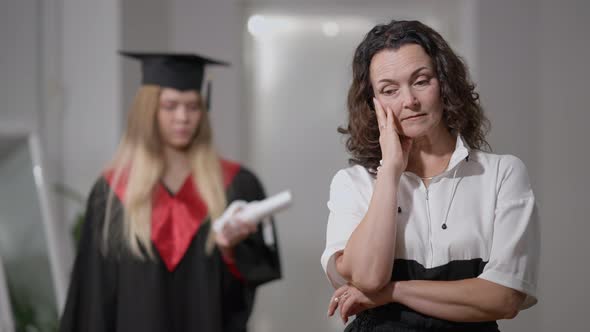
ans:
(428, 231)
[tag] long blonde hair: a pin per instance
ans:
(139, 161)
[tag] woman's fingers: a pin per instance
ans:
(332, 306)
(346, 307)
(252, 227)
(396, 124)
(336, 299)
(348, 300)
(221, 240)
(386, 118)
(234, 232)
(241, 230)
(246, 228)
(390, 119)
(380, 112)
(405, 142)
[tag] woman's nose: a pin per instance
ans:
(409, 99)
(181, 113)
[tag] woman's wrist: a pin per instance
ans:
(388, 176)
(388, 168)
(397, 291)
(386, 295)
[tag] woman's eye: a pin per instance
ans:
(422, 82)
(389, 92)
(169, 106)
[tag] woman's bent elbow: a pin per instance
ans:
(511, 306)
(370, 284)
(510, 314)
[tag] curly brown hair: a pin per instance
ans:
(462, 112)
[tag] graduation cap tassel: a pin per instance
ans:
(208, 101)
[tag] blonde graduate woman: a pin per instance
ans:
(148, 259)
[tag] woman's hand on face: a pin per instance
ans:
(352, 301)
(234, 232)
(395, 148)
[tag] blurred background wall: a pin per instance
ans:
(279, 104)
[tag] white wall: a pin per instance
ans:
(508, 80)
(563, 159)
(534, 67)
(92, 90)
(19, 63)
(508, 83)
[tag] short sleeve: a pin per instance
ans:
(347, 208)
(514, 257)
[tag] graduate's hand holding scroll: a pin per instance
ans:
(241, 219)
(235, 231)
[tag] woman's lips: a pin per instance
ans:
(183, 133)
(413, 117)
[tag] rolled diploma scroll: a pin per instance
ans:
(253, 212)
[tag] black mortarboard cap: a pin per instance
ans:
(173, 70)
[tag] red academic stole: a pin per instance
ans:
(176, 218)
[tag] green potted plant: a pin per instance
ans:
(78, 198)
(26, 318)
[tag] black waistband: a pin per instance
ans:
(394, 315)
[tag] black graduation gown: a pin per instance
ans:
(117, 292)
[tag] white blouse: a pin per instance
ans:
(481, 209)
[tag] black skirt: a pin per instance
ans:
(395, 317)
